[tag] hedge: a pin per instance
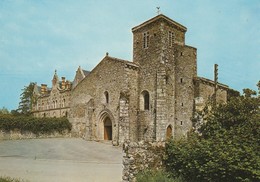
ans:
(35, 125)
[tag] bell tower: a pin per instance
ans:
(164, 59)
(154, 36)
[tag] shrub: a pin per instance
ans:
(8, 179)
(156, 176)
(227, 148)
(35, 125)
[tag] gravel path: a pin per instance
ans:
(66, 160)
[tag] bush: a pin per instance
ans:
(8, 179)
(227, 148)
(35, 125)
(156, 176)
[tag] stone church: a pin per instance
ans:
(152, 97)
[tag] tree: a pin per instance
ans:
(25, 105)
(228, 146)
(258, 85)
(4, 111)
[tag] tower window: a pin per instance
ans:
(181, 123)
(145, 100)
(107, 97)
(171, 38)
(146, 40)
(181, 80)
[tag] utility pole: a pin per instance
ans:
(215, 83)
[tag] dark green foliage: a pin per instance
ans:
(227, 148)
(8, 179)
(32, 124)
(156, 176)
(25, 105)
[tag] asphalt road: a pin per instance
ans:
(60, 160)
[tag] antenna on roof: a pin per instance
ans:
(158, 10)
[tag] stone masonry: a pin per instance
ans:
(55, 101)
(141, 156)
(151, 98)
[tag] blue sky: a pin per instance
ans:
(39, 36)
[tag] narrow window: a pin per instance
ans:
(167, 79)
(171, 38)
(169, 132)
(146, 100)
(181, 80)
(182, 104)
(106, 97)
(146, 40)
(181, 123)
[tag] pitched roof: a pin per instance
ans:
(160, 16)
(211, 82)
(86, 72)
(123, 61)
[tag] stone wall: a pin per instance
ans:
(204, 92)
(90, 106)
(185, 71)
(17, 135)
(54, 101)
(139, 156)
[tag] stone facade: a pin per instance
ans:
(151, 98)
(204, 92)
(55, 101)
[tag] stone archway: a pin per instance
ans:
(169, 132)
(108, 129)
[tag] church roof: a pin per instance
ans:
(211, 82)
(123, 61)
(86, 72)
(158, 17)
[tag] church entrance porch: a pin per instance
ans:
(107, 129)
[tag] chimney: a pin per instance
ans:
(67, 85)
(43, 88)
(63, 83)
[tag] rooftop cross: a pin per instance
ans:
(158, 10)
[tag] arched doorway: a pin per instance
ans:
(107, 129)
(169, 132)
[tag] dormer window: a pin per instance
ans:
(145, 39)
(171, 38)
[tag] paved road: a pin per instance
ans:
(65, 160)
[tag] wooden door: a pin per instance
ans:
(107, 129)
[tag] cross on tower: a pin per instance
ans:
(158, 10)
